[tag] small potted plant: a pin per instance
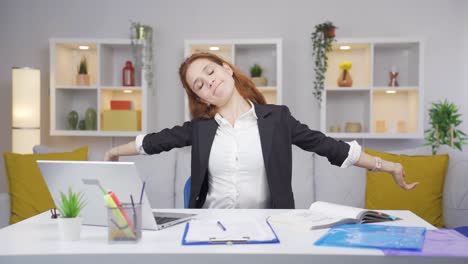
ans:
(322, 39)
(256, 76)
(82, 78)
(444, 119)
(70, 220)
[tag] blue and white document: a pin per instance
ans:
(374, 236)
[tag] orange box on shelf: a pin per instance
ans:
(121, 120)
(380, 126)
(120, 105)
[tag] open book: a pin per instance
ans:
(325, 215)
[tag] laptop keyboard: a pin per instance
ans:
(162, 220)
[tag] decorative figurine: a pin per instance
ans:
(393, 74)
(72, 120)
(90, 119)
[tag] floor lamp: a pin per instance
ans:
(26, 112)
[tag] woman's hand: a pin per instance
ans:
(398, 175)
(110, 155)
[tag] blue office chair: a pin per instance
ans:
(187, 192)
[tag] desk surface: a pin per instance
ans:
(37, 240)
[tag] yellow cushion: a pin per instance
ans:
(29, 194)
(425, 200)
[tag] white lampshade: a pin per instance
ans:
(24, 139)
(26, 103)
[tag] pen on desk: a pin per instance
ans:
(221, 225)
(142, 191)
(393, 218)
(134, 211)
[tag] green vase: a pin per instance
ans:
(81, 125)
(72, 120)
(90, 119)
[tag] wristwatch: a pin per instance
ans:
(378, 164)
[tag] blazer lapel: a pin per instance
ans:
(206, 135)
(265, 129)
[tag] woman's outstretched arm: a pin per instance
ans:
(114, 153)
(376, 164)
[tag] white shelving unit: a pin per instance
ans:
(382, 111)
(106, 58)
(244, 53)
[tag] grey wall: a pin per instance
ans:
(26, 26)
(465, 66)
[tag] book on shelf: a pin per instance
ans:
(121, 104)
(325, 215)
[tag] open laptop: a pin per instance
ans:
(120, 177)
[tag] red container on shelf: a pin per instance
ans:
(128, 74)
(120, 105)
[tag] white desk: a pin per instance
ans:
(36, 240)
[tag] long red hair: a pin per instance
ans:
(243, 84)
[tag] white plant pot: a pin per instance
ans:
(70, 228)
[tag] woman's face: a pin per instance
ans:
(211, 82)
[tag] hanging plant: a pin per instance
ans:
(444, 119)
(322, 39)
(143, 35)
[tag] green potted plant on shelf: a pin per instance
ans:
(444, 119)
(322, 39)
(256, 75)
(82, 78)
(70, 221)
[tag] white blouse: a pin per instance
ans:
(236, 170)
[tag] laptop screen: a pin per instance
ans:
(120, 177)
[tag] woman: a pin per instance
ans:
(241, 147)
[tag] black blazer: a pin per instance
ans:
(278, 131)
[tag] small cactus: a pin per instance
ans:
(83, 67)
(256, 71)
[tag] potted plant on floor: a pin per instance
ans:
(444, 119)
(256, 76)
(322, 39)
(82, 78)
(70, 220)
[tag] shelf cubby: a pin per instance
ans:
(402, 57)
(347, 107)
(78, 100)
(360, 56)
(244, 53)
(67, 57)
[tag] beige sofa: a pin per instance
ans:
(313, 179)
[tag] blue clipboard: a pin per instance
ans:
(214, 241)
